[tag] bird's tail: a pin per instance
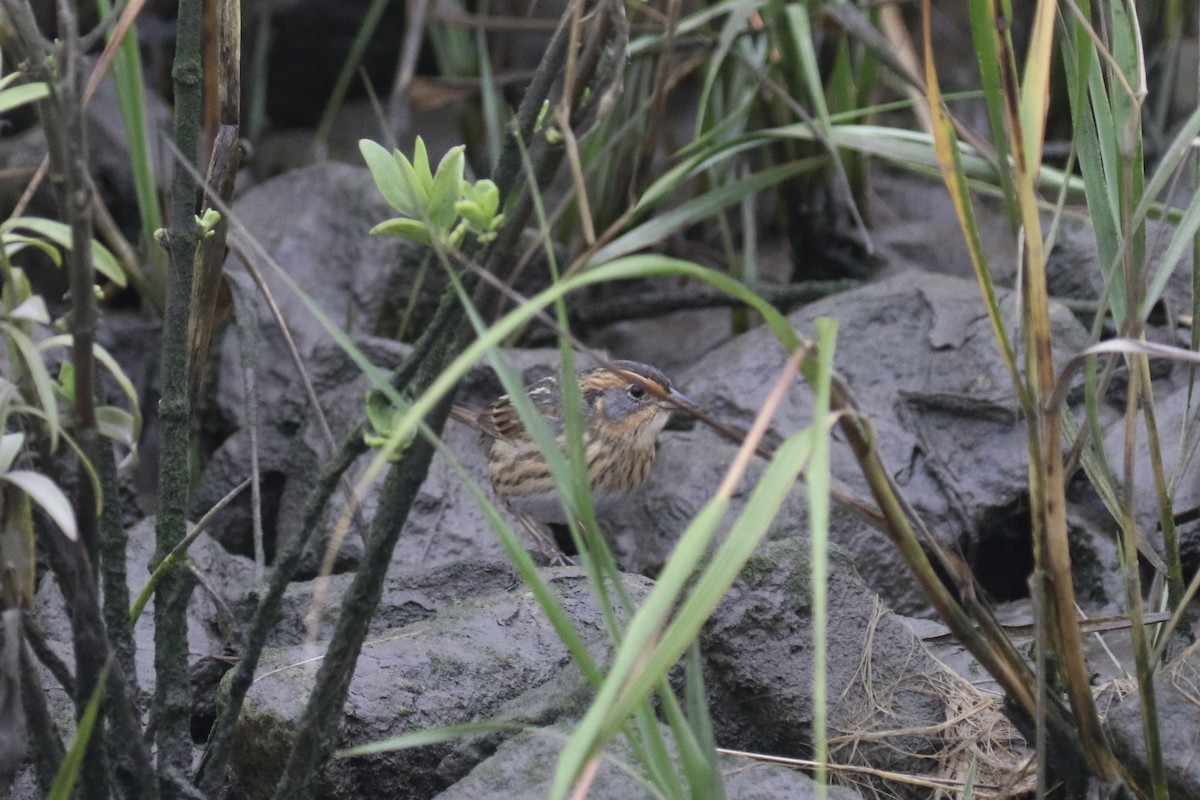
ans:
(467, 415)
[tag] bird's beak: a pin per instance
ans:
(676, 401)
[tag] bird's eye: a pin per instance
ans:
(637, 392)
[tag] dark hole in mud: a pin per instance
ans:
(206, 674)
(234, 527)
(1189, 545)
(1002, 557)
(562, 538)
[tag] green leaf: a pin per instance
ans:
(412, 229)
(208, 221)
(68, 772)
(20, 95)
(487, 195)
(32, 309)
(16, 242)
(10, 448)
(446, 189)
(16, 290)
(114, 370)
(107, 265)
(659, 227)
(479, 205)
(55, 231)
(389, 178)
(472, 213)
(420, 167)
(43, 384)
(66, 387)
(379, 411)
(66, 381)
(102, 259)
(383, 413)
(116, 424)
(46, 494)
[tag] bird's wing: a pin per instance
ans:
(500, 420)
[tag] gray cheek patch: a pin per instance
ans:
(618, 404)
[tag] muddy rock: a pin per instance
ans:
(213, 627)
(1071, 267)
(498, 657)
(458, 666)
(918, 354)
(445, 524)
(311, 608)
(758, 650)
(1178, 724)
(523, 768)
(1171, 418)
(313, 223)
(227, 468)
(1072, 272)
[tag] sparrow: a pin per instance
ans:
(626, 404)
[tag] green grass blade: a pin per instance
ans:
(131, 97)
(659, 227)
(423, 738)
(642, 661)
(734, 27)
(988, 48)
(68, 772)
(818, 478)
(665, 625)
(799, 30)
(1093, 146)
(1181, 240)
(598, 726)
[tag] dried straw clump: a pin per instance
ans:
(982, 743)
(975, 744)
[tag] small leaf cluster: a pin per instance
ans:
(440, 205)
(23, 311)
(383, 416)
(35, 408)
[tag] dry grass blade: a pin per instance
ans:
(1123, 346)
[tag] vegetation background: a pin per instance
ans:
(733, 146)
